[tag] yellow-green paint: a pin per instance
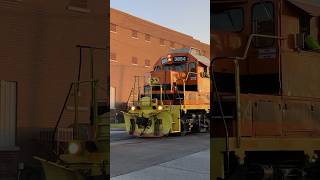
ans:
(54, 171)
(166, 115)
(170, 116)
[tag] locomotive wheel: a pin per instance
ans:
(184, 125)
(204, 124)
(132, 126)
(183, 131)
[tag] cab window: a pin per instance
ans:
(175, 67)
(263, 23)
(192, 69)
(230, 20)
(157, 68)
(203, 71)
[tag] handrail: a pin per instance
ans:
(237, 77)
(157, 85)
(184, 89)
(188, 75)
(184, 86)
(249, 42)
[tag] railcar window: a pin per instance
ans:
(263, 23)
(304, 23)
(230, 20)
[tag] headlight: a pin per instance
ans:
(133, 108)
(74, 148)
(160, 108)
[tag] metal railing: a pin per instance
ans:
(184, 86)
(237, 77)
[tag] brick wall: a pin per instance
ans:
(37, 50)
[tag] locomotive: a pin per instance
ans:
(175, 96)
(265, 89)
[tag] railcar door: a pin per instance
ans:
(191, 84)
(262, 76)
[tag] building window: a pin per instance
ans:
(263, 23)
(134, 34)
(204, 52)
(134, 61)
(172, 45)
(78, 5)
(147, 63)
(147, 37)
(113, 28)
(113, 57)
(161, 42)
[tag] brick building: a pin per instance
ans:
(135, 45)
(38, 52)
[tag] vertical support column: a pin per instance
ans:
(217, 159)
(237, 87)
(184, 94)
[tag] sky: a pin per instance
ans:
(191, 17)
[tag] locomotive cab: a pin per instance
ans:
(265, 56)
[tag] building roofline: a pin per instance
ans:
(154, 24)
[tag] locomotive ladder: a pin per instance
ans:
(135, 92)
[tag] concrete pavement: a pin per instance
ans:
(136, 154)
(118, 134)
(190, 167)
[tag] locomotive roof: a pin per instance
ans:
(312, 7)
(202, 59)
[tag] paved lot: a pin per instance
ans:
(118, 134)
(191, 167)
(136, 154)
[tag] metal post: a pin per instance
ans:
(237, 85)
(80, 64)
(134, 91)
(138, 89)
(151, 92)
(161, 95)
(93, 88)
(184, 93)
(76, 101)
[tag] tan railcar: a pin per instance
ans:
(266, 90)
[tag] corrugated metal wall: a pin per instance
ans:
(8, 114)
